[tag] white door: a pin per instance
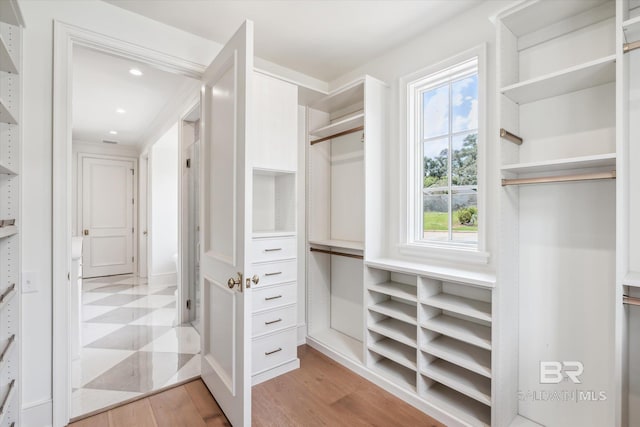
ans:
(107, 217)
(225, 230)
(143, 203)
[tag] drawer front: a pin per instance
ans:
(271, 273)
(273, 350)
(274, 296)
(273, 249)
(274, 320)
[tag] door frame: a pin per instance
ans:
(66, 36)
(135, 207)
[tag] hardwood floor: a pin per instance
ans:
(320, 393)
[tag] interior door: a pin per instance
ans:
(107, 217)
(225, 230)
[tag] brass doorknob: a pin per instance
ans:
(233, 281)
(255, 279)
(86, 232)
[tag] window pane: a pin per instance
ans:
(465, 214)
(464, 99)
(435, 190)
(464, 159)
(435, 112)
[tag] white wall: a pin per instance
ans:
(163, 228)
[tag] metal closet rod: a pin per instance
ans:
(324, 251)
(626, 299)
(564, 178)
(628, 47)
(510, 136)
(335, 135)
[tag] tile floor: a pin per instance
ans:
(130, 343)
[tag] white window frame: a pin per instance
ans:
(411, 206)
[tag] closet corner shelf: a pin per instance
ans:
(6, 170)
(8, 231)
(338, 126)
(466, 306)
(572, 79)
(6, 60)
(632, 279)
(5, 114)
(460, 379)
(607, 160)
(341, 244)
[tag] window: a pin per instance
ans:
(443, 118)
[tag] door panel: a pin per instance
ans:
(107, 216)
(226, 212)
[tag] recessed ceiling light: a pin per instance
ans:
(135, 72)
(120, 110)
(113, 132)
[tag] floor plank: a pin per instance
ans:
(137, 413)
(174, 408)
(100, 420)
(205, 403)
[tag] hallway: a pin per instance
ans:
(130, 343)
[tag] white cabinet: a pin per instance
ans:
(10, 218)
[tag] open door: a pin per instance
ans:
(225, 209)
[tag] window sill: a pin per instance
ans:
(459, 253)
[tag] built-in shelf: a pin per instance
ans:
(398, 374)
(397, 330)
(6, 170)
(463, 330)
(342, 244)
(473, 412)
(341, 99)
(632, 279)
(394, 289)
(631, 29)
(6, 352)
(6, 60)
(339, 342)
(466, 382)
(10, 13)
(572, 79)
(400, 311)
(338, 126)
(7, 231)
(607, 160)
(266, 234)
(5, 114)
(462, 354)
(466, 306)
(393, 350)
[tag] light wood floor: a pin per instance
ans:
(320, 393)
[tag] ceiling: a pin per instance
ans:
(321, 38)
(102, 83)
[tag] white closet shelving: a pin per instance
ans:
(10, 150)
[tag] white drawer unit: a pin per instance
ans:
(273, 350)
(274, 320)
(274, 296)
(274, 249)
(271, 273)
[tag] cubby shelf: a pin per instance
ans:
(339, 244)
(393, 350)
(394, 289)
(400, 375)
(6, 170)
(462, 354)
(338, 126)
(631, 29)
(6, 60)
(631, 279)
(8, 231)
(400, 311)
(466, 306)
(474, 412)
(5, 114)
(463, 330)
(397, 330)
(10, 12)
(559, 165)
(460, 379)
(572, 79)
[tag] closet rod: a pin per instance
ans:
(324, 251)
(335, 135)
(565, 178)
(626, 299)
(510, 136)
(628, 47)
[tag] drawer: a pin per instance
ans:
(274, 296)
(273, 249)
(274, 320)
(271, 273)
(273, 350)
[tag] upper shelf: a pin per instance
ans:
(339, 126)
(339, 244)
(572, 79)
(6, 60)
(10, 13)
(341, 99)
(5, 114)
(631, 28)
(8, 231)
(632, 279)
(573, 163)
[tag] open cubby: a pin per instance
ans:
(274, 202)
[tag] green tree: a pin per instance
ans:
(464, 163)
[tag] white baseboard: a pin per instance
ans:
(37, 414)
(163, 279)
(302, 333)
